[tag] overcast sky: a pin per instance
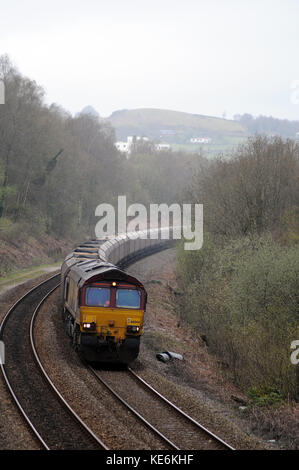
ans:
(199, 56)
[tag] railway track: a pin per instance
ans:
(50, 418)
(172, 425)
(153, 429)
(210, 436)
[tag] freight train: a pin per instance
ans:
(102, 305)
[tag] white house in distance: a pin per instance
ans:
(200, 140)
(122, 147)
(162, 147)
(126, 147)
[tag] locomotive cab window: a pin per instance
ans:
(128, 298)
(97, 297)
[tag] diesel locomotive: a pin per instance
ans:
(102, 305)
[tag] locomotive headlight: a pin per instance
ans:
(90, 326)
(133, 329)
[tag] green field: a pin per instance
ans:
(224, 146)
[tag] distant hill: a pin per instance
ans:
(172, 126)
(90, 110)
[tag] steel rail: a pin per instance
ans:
(130, 408)
(179, 410)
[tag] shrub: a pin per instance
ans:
(243, 296)
(265, 396)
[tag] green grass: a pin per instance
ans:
(25, 274)
(212, 149)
